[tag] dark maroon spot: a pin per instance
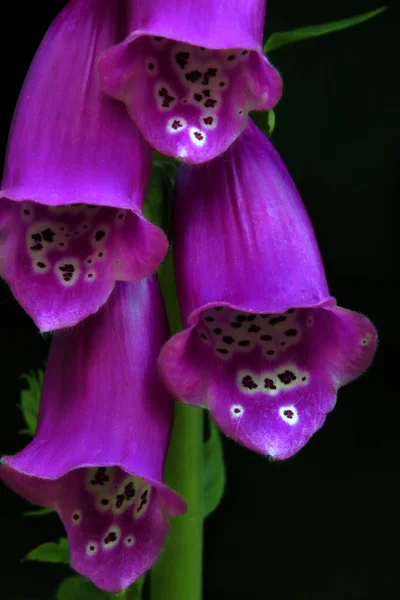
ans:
(203, 336)
(221, 83)
(269, 384)
(218, 330)
(120, 500)
(244, 343)
(27, 212)
(36, 237)
(218, 308)
(236, 325)
(158, 38)
(67, 268)
(110, 537)
(249, 383)
(287, 377)
(264, 316)
(89, 261)
(209, 73)
(75, 517)
(176, 124)
(41, 265)
(48, 235)
(143, 500)
(85, 226)
(182, 59)
(207, 93)
(193, 76)
(283, 343)
(222, 351)
(99, 235)
(251, 317)
(270, 352)
(231, 57)
(304, 378)
(198, 97)
(209, 319)
(90, 205)
(151, 66)
(291, 332)
(254, 329)
(37, 247)
(208, 120)
(288, 413)
(244, 52)
(240, 112)
(291, 310)
(104, 502)
(237, 410)
(92, 548)
(61, 228)
(240, 318)
(67, 235)
(276, 320)
(100, 477)
(228, 339)
(90, 275)
(76, 232)
(61, 244)
(266, 338)
(210, 103)
(129, 491)
(121, 216)
(198, 135)
(100, 255)
(167, 98)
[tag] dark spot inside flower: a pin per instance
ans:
(276, 320)
(291, 332)
(61, 228)
(221, 83)
(210, 103)
(36, 237)
(67, 268)
(231, 57)
(37, 247)
(85, 226)
(251, 317)
(269, 384)
(264, 316)
(76, 232)
(209, 319)
(240, 112)
(121, 216)
(90, 275)
(143, 500)
(89, 261)
(158, 39)
(129, 491)
(182, 59)
(291, 310)
(270, 352)
(167, 98)
(104, 501)
(198, 135)
(254, 329)
(266, 338)
(283, 343)
(244, 52)
(222, 351)
(203, 336)
(75, 517)
(27, 212)
(99, 235)
(198, 97)
(193, 76)
(218, 330)
(244, 343)
(110, 537)
(208, 120)
(249, 383)
(287, 377)
(120, 500)
(90, 206)
(209, 73)
(100, 255)
(304, 378)
(48, 235)
(176, 124)
(237, 411)
(207, 93)
(288, 413)
(228, 339)
(92, 548)
(151, 66)
(218, 308)
(236, 325)
(41, 265)
(100, 477)
(240, 318)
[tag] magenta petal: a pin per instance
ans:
(73, 149)
(102, 438)
(189, 74)
(265, 346)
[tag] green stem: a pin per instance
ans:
(177, 574)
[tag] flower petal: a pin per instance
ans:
(266, 348)
(102, 470)
(71, 146)
(196, 87)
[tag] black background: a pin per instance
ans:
(325, 524)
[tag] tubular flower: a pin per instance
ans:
(103, 433)
(189, 72)
(265, 346)
(75, 178)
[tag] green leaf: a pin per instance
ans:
(282, 38)
(265, 120)
(52, 552)
(30, 399)
(79, 588)
(40, 512)
(214, 470)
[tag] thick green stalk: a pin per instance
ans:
(177, 574)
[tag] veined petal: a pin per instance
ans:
(265, 346)
(75, 166)
(190, 72)
(103, 432)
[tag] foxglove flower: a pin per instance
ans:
(102, 437)
(189, 72)
(265, 346)
(75, 178)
